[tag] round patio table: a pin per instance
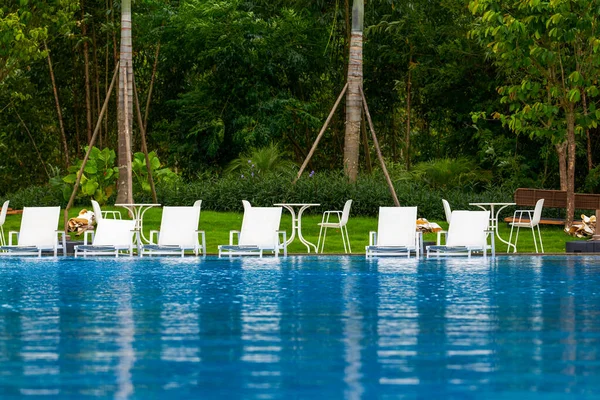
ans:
(137, 211)
(494, 216)
(297, 222)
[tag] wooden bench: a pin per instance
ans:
(10, 211)
(525, 197)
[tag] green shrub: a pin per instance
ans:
(37, 196)
(451, 173)
(263, 161)
(331, 190)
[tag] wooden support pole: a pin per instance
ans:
(90, 145)
(379, 155)
(314, 147)
(144, 145)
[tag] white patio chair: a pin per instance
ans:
(2, 220)
(260, 232)
(467, 233)
(530, 220)
(396, 233)
(39, 232)
(113, 237)
(198, 203)
(447, 210)
(178, 233)
(341, 224)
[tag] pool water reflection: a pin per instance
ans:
(338, 327)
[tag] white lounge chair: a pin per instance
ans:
(260, 232)
(2, 220)
(396, 233)
(38, 233)
(467, 233)
(178, 233)
(113, 237)
(447, 210)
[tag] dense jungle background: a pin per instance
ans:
(233, 90)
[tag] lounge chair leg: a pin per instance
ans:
(540, 235)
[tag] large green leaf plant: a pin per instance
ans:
(99, 177)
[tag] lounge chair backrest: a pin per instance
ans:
(178, 226)
(447, 210)
(537, 212)
(397, 226)
(39, 226)
(198, 203)
(346, 213)
(259, 226)
(246, 204)
(97, 211)
(3, 212)
(467, 228)
(114, 232)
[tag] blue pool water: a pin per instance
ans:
(301, 327)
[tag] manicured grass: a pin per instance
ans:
(218, 224)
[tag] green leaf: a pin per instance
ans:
(574, 96)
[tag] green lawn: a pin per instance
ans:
(218, 224)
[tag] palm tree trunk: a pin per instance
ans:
(353, 97)
(124, 187)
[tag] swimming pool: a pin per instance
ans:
(300, 327)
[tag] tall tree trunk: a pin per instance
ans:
(124, 188)
(63, 135)
(97, 80)
(408, 94)
(571, 147)
(353, 97)
(587, 135)
(86, 61)
(561, 151)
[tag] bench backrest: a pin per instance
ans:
(556, 198)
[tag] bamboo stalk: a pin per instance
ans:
(314, 146)
(89, 150)
(379, 155)
(152, 78)
(144, 144)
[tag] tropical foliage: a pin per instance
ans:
(217, 79)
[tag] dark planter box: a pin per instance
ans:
(591, 246)
(70, 246)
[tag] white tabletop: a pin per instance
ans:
(136, 205)
(297, 204)
(492, 204)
